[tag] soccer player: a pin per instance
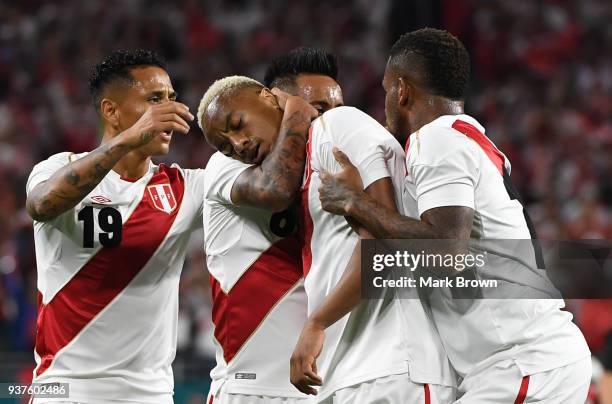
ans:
(111, 231)
(309, 73)
(368, 354)
(256, 327)
(457, 186)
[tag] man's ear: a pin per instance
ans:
(110, 112)
(405, 91)
(268, 97)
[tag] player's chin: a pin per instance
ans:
(160, 148)
(163, 142)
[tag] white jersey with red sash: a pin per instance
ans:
(259, 303)
(450, 162)
(108, 275)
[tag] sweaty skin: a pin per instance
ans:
(322, 92)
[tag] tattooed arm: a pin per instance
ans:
(274, 184)
(342, 194)
(71, 183)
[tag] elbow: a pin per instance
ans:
(281, 200)
(36, 210)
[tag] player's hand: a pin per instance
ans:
(291, 104)
(159, 119)
(303, 362)
(338, 191)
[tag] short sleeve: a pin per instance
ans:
(450, 178)
(367, 143)
(194, 178)
(221, 173)
(45, 169)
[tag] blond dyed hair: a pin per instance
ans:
(223, 86)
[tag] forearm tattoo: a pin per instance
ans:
(284, 166)
(69, 185)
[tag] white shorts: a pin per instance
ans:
(222, 397)
(503, 383)
(393, 389)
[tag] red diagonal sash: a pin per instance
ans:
(106, 274)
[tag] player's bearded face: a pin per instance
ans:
(244, 126)
(152, 86)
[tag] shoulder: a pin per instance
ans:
(346, 117)
(219, 165)
(62, 158)
(189, 174)
(56, 162)
(350, 125)
(438, 141)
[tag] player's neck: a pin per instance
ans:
(133, 165)
(435, 107)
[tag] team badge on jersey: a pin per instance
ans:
(162, 197)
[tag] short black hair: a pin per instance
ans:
(116, 66)
(283, 71)
(443, 58)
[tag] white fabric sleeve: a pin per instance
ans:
(221, 173)
(194, 180)
(366, 143)
(45, 169)
(449, 182)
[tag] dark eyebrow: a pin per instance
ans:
(158, 93)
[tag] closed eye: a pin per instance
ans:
(237, 125)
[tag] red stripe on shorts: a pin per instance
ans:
(522, 394)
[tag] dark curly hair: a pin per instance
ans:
(444, 60)
(116, 66)
(283, 71)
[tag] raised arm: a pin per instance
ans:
(275, 183)
(71, 183)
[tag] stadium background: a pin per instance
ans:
(541, 85)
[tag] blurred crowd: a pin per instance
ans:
(541, 85)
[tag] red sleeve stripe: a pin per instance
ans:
(239, 313)
(406, 148)
(307, 224)
(106, 274)
(469, 130)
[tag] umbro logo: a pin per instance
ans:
(100, 199)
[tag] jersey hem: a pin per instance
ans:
(253, 390)
(527, 370)
(328, 391)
